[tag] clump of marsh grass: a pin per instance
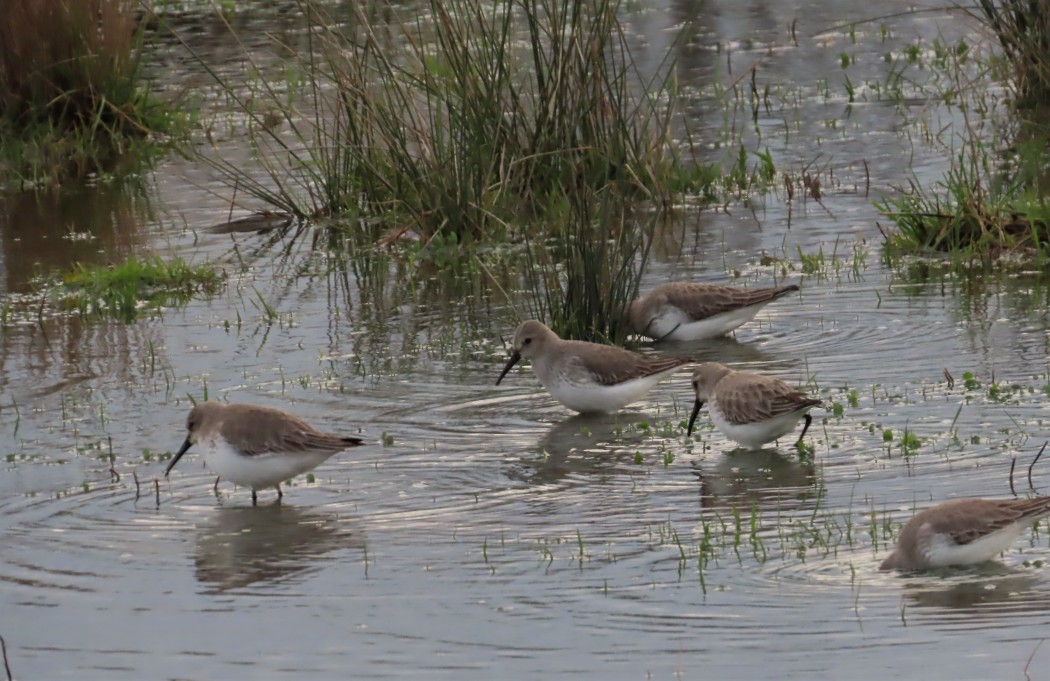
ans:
(580, 279)
(71, 96)
(992, 202)
(464, 122)
(123, 290)
(967, 212)
(1022, 28)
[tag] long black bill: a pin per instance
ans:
(514, 359)
(692, 417)
(809, 420)
(185, 445)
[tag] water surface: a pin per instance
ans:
(494, 533)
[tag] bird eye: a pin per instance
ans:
(527, 341)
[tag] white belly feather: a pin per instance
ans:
(942, 550)
(754, 435)
(585, 395)
(673, 324)
(261, 470)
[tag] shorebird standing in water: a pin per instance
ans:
(257, 447)
(688, 311)
(749, 408)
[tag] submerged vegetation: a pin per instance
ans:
(72, 100)
(124, 290)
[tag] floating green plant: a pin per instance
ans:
(909, 442)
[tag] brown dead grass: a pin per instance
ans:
(61, 56)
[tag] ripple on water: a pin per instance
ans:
(499, 536)
(87, 542)
(79, 541)
(991, 596)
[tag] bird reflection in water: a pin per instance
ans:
(765, 479)
(242, 546)
(975, 594)
(583, 444)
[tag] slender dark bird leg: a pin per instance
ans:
(280, 494)
(809, 420)
(215, 487)
(255, 498)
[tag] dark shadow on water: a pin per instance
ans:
(764, 478)
(269, 544)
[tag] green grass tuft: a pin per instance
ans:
(122, 291)
(972, 212)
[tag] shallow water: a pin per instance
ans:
(497, 534)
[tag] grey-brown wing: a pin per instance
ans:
(700, 301)
(610, 365)
(981, 517)
(744, 397)
(967, 520)
(966, 524)
(270, 430)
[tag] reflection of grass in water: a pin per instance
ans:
(123, 290)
